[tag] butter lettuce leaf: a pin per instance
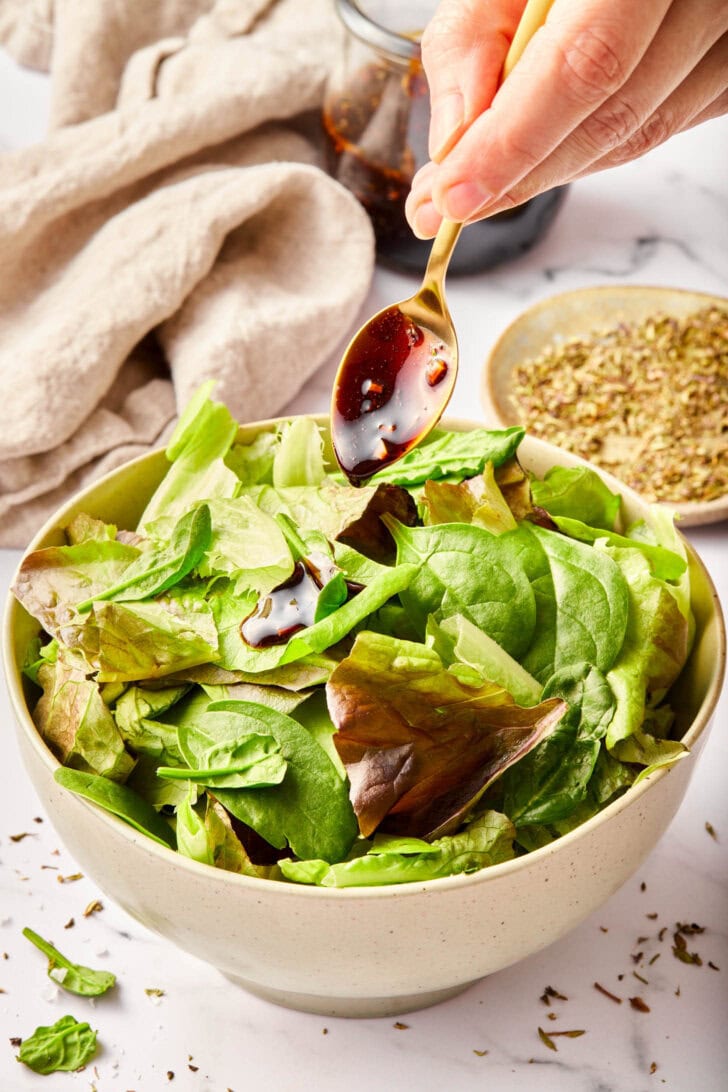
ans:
(485, 841)
(665, 564)
(578, 493)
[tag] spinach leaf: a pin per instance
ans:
(157, 570)
(466, 570)
(582, 603)
(485, 841)
(421, 748)
(135, 714)
(226, 760)
(120, 800)
(310, 809)
(457, 454)
(579, 493)
(665, 564)
(71, 976)
(66, 1045)
(551, 781)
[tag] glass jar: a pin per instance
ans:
(376, 116)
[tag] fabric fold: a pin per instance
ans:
(194, 217)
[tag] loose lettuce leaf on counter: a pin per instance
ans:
(73, 977)
(453, 454)
(578, 493)
(309, 810)
(485, 841)
(74, 720)
(551, 781)
(582, 601)
(197, 448)
(63, 1047)
(466, 570)
(420, 748)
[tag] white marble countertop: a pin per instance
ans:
(662, 221)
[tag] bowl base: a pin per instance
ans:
(355, 1007)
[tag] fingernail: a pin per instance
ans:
(445, 124)
(464, 200)
(426, 221)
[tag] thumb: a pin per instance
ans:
(463, 49)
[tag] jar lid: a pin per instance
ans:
(394, 45)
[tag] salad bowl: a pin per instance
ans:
(380, 950)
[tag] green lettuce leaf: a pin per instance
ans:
(485, 841)
(653, 654)
(421, 748)
(157, 570)
(460, 645)
(252, 463)
(578, 493)
(247, 546)
(197, 448)
(665, 564)
(128, 642)
(74, 720)
(135, 714)
(299, 458)
(226, 759)
(466, 570)
(476, 500)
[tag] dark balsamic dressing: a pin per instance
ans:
(389, 393)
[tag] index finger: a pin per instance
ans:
(582, 55)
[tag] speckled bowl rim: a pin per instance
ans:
(279, 889)
(494, 401)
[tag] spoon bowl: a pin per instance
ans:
(397, 374)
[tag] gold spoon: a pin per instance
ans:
(398, 372)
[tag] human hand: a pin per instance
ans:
(601, 83)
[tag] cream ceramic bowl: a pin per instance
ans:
(375, 951)
(578, 314)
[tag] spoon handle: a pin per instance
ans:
(534, 15)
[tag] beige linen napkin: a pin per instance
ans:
(174, 226)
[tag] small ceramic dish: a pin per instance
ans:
(365, 951)
(578, 314)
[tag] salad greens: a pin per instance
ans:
(71, 976)
(287, 677)
(65, 1046)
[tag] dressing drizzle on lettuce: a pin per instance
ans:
(489, 662)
